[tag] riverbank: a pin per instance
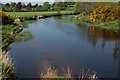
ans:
(29, 15)
(84, 19)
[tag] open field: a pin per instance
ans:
(31, 14)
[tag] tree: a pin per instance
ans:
(85, 6)
(13, 4)
(69, 4)
(29, 5)
(36, 5)
(23, 5)
(46, 6)
(19, 6)
(7, 5)
(58, 6)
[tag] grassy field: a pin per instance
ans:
(31, 14)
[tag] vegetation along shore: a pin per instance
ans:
(14, 15)
(106, 17)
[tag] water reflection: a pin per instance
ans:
(102, 34)
(61, 44)
(94, 34)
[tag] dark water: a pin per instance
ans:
(62, 44)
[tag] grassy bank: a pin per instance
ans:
(84, 19)
(31, 14)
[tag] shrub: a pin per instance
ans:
(105, 13)
(5, 18)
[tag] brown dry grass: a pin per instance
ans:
(52, 73)
(6, 65)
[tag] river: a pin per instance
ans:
(63, 44)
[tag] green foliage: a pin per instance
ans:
(83, 19)
(46, 6)
(21, 7)
(59, 6)
(7, 37)
(90, 6)
(24, 36)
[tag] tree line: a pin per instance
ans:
(46, 6)
(77, 7)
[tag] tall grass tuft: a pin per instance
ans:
(6, 66)
(68, 75)
(50, 73)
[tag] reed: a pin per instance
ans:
(68, 75)
(6, 66)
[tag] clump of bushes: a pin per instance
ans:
(105, 13)
(5, 18)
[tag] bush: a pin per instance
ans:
(5, 18)
(105, 13)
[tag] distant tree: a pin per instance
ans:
(69, 4)
(36, 5)
(40, 5)
(13, 4)
(58, 6)
(19, 6)
(46, 6)
(7, 5)
(29, 5)
(90, 6)
(23, 5)
(85, 7)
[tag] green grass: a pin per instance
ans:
(31, 14)
(83, 19)
(70, 9)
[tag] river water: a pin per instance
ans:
(63, 44)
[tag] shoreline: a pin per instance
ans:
(84, 20)
(39, 15)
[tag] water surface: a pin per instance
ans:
(62, 44)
